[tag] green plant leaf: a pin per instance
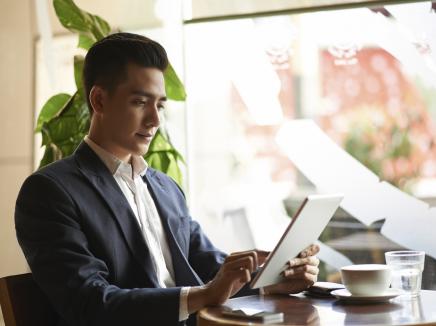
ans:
(100, 26)
(78, 72)
(161, 161)
(51, 154)
(167, 163)
(70, 16)
(174, 171)
(178, 156)
(173, 86)
(154, 161)
(45, 135)
(77, 20)
(51, 108)
(85, 41)
(161, 155)
(68, 128)
(159, 143)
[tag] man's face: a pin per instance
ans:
(130, 113)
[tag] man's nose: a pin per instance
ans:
(153, 117)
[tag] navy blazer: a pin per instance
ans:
(86, 250)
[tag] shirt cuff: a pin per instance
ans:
(183, 306)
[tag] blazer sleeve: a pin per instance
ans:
(204, 257)
(207, 260)
(48, 226)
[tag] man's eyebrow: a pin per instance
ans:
(148, 94)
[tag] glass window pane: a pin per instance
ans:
(366, 77)
(204, 9)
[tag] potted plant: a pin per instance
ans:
(64, 119)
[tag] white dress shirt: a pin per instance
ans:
(129, 178)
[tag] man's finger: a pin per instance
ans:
(312, 250)
(242, 254)
(262, 253)
(300, 271)
(262, 256)
(246, 262)
(312, 260)
(236, 253)
(310, 279)
(242, 275)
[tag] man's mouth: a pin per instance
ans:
(145, 136)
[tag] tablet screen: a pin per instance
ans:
(304, 229)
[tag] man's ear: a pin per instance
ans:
(97, 98)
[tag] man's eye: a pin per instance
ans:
(139, 102)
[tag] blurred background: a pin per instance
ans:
(365, 75)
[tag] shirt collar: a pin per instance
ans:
(114, 164)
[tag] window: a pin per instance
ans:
(365, 76)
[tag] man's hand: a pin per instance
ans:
(232, 276)
(262, 255)
(301, 273)
(312, 250)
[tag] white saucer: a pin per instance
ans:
(345, 295)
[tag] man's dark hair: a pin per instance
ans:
(106, 61)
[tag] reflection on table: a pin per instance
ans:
(304, 310)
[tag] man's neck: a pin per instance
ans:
(107, 146)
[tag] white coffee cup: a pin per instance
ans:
(366, 279)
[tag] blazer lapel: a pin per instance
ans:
(184, 274)
(102, 180)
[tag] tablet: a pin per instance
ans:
(303, 230)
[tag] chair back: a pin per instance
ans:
(24, 304)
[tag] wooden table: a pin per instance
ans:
(304, 310)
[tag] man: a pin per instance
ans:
(109, 240)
